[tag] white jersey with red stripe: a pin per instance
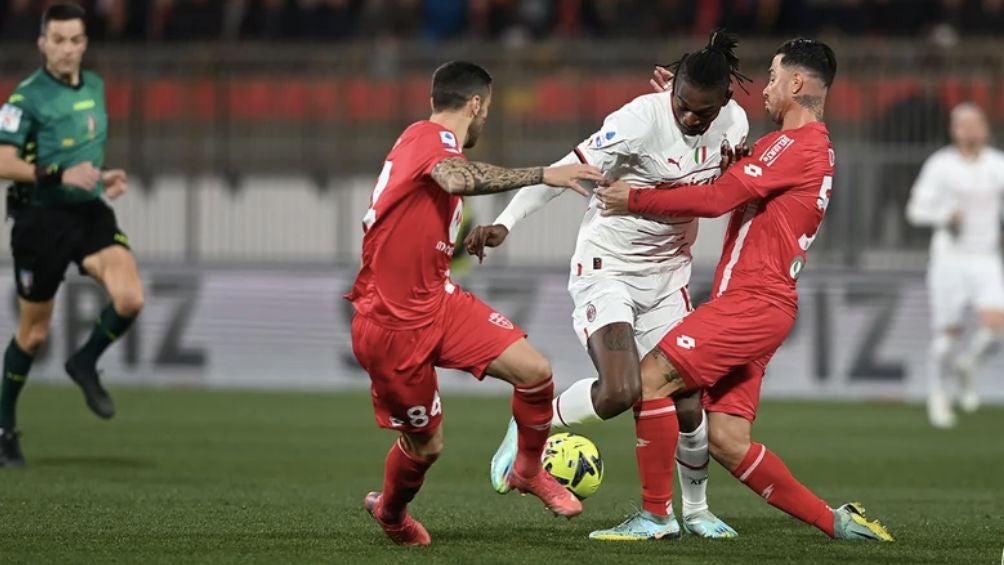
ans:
(642, 144)
(768, 239)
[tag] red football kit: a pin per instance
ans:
(779, 195)
(410, 317)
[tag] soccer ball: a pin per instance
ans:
(575, 462)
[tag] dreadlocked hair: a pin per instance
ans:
(715, 66)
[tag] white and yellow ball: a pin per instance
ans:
(575, 462)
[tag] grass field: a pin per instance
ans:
(237, 477)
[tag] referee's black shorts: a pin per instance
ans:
(45, 240)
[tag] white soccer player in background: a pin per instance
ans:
(959, 193)
(629, 280)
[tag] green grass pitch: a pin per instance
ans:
(189, 476)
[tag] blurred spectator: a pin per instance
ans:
(269, 20)
(443, 19)
(192, 20)
(20, 22)
(510, 20)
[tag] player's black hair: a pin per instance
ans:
(456, 82)
(62, 12)
(715, 66)
(813, 56)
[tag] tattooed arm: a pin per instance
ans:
(460, 176)
(463, 177)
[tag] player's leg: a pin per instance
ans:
(668, 309)
(483, 342)
(988, 279)
(405, 398)
(947, 296)
(34, 319)
(732, 404)
(604, 320)
(656, 431)
(39, 245)
(115, 269)
(405, 467)
(522, 366)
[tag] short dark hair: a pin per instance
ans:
(715, 66)
(456, 82)
(813, 56)
(62, 12)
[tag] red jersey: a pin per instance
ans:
(766, 245)
(409, 231)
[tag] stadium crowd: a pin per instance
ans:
(512, 21)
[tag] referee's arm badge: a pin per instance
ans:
(10, 118)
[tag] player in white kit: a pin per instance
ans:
(629, 276)
(959, 193)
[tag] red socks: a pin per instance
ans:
(403, 475)
(658, 431)
(765, 474)
(531, 408)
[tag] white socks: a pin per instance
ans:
(940, 363)
(980, 345)
(692, 466)
(575, 406)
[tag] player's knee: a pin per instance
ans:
(689, 411)
(652, 385)
(538, 371)
(31, 337)
(613, 399)
(427, 448)
(128, 303)
(727, 446)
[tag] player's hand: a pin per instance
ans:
(614, 199)
(732, 154)
(571, 176)
(482, 237)
(955, 223)
(662, 79)
(116, 183)
(82, 175)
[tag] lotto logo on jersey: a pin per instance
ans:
(10, 118)
(686, 342)
(752, 170)
(774, 151)
(500, 321)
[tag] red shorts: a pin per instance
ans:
(724, 346)
(467, 334)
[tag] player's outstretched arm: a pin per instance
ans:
(702, 201)
(462, 177)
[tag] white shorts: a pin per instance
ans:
(955, 282)
(652, 304)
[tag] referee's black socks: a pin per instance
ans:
(109, 327)
(16, 364)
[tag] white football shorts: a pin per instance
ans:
(653, 304)
(958, 281)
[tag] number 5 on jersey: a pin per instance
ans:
(822, 203)
(370, 218)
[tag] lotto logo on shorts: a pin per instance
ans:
(686, 342)
(500, 321)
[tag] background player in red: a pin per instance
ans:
(778, 196)
(410, 317)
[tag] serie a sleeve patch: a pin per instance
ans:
(10, 118)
